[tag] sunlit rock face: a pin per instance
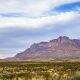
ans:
(62, 47)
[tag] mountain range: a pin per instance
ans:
(61, 48)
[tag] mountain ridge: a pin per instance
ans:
(61, 48)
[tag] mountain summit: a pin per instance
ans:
(63, 47)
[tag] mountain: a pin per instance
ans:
(61, 48)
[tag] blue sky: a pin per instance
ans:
(24, 22)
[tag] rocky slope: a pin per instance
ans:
(60, 48)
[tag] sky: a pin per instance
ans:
(24, 22)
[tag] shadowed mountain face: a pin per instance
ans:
(62, 47)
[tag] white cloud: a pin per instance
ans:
(32, 8)
(37, 22)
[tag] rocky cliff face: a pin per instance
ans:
(62, 47)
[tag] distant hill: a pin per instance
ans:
(60, 48)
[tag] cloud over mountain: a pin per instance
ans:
(25, 21)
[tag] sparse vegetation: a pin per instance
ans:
(24, 70)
